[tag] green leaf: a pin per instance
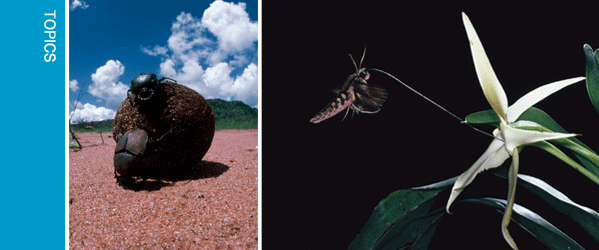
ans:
(438, 185)
(538, 227)
(403, 219)
(414, 234)
(587, 218)
(484, 117)
(550, 148)
(592, 74)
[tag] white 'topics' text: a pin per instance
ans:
(49, 47)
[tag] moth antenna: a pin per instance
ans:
(352, 60)
(363, 54)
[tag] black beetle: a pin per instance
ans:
(144, 85)
(128, 152)
(133, 151)
(161, 127)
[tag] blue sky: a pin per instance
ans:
(209, 46)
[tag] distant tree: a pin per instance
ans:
(74, 141)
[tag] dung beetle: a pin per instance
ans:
(144, 85)
(128, 152)
(160, 128)
(134, 150)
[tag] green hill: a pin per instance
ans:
(233, 114)
(229, 115)
(99, 126)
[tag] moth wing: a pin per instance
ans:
(369, 97)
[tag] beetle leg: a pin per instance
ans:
(117, 134)
(165, 78)
(167, 132)
(157, 144)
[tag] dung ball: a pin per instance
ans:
(179, 124)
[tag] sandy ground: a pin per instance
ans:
(213, 206)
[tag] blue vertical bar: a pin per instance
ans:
(33, 125)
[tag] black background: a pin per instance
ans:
(320, 182)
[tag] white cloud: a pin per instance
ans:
(188, 41)
(231, 24)
(220, 84)
(208, 54)
(78, 4)
(167, 68)
(89, 113)
(157, 50)
(245, 86)
(191, 73)
(73, 85)
(105, 84)
(74, 104)
(219, 76)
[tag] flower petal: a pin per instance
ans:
(517, 137)
(488, 80)
(493, 157)
(511, 198)
(537, 95)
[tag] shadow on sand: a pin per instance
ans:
(158, 179)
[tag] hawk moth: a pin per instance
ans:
(355, 94)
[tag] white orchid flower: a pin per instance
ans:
(507, 138)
